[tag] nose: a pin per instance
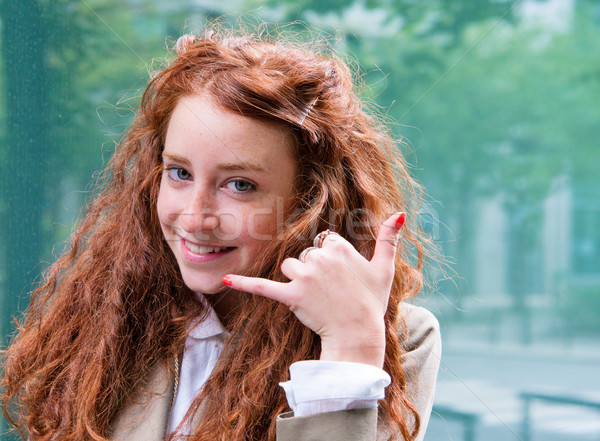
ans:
(198, 216)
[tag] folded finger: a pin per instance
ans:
(291, 268)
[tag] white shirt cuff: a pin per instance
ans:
(326, 386)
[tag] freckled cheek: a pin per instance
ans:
(167, 214)
(264, 223)
(162, 209)
(262, 227)
(251, 226)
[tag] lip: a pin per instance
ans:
(190, 256)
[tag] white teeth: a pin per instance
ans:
(203, 250)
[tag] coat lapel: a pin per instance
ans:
(145, 418)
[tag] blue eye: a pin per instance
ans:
(240, 186)
(178, 174)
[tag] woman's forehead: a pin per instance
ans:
(200, 126)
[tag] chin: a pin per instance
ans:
(205, 287)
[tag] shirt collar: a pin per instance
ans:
(210, 326)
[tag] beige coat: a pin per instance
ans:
(147, 421)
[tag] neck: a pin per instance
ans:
(225, 304)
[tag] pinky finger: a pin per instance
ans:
(256, 285)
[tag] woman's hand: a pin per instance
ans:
(338, 294)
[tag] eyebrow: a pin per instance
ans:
(230, 166)
(243, 166)
(175, 158)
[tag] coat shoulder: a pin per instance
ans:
(421, 327)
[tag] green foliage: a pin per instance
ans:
(579, 310)
(99, 60)
(491, 104)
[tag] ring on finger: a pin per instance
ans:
(304, 253)
(320, 238)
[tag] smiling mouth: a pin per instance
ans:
(198, 249)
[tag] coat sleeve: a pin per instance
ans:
(420, 362)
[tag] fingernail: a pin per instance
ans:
(400, 221)
(227, 281)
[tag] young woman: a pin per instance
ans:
(240, 274)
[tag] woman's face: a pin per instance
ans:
(226, 185)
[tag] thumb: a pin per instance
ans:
(387, 240)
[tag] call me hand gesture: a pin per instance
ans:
(338, 293)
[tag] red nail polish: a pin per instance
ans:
(227, 281)
(400, 221)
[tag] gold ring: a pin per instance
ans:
(319, 238)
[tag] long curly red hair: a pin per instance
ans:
(115, 304)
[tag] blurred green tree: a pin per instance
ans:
(64, 68)
(493, 104)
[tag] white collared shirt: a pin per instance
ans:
(203, 347)
(314, 386)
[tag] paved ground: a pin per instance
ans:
(487, 379)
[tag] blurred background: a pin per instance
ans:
(498, 104)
